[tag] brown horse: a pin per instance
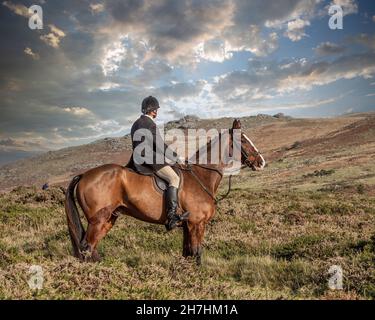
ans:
(106, 191)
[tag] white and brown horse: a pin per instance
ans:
(109, 190)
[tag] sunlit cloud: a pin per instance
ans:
(296, 29)
(96, 7)
(54, 37)
(18, 9)
(30, 52)
(114, 53)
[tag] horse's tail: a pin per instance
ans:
(76, 230)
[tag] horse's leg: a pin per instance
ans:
(193, 238)
(186, 248)
(97, 229)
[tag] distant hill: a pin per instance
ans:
(11, 156)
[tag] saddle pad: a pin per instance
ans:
(161, 184)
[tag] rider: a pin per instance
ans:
(150, 106)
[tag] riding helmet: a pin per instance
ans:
(149, 104)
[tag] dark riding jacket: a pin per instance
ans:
(144, 122)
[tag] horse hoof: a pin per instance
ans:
(88, 256)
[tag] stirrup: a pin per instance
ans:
(176, 220)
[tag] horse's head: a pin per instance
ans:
(250, 156)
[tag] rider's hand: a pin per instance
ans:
(181, 160)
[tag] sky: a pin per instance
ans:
(84, 75)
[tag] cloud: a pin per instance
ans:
(267, 80)
(296, 29)
(263, 107)
(322, 73)
(18, 9)
(111, 54)
(273, 14)
(213, 50)
(186, 32)
(106, 127)
(367, 40)
(252, 40)
(180, 90)
(12, 85)
(30, 52)
(348, 6)
(54, 37)
(78, 111)
(114, 53)
(170, 29)
(96, 7)
(329, 48)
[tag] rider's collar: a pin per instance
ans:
(149, 117)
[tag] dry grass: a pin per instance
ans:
(274, 245)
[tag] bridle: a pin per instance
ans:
(189, 169)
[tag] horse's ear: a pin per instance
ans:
(236, 124)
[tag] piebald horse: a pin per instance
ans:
(106, 191)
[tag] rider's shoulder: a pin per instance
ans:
(143, 122)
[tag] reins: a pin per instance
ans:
(190, 170)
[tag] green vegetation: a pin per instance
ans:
(272, 245)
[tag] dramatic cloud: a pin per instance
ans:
(30, 52)
(96, 7)
(296, 29)
(79, 111)
(267, 80)
(367, 40)
(213, 50)
(114, 53)
(85, 74)
(53, 38)
(178, 91)
(329, 48)
(189, 30)
(251, 40)
(348, 6)
(18, 9)
(170, 29)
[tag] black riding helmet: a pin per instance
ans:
(149, 104)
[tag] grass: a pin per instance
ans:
(274, 245)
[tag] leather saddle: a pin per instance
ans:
(160, 183)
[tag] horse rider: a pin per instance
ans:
(150, 106)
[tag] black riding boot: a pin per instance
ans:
(171, 205)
